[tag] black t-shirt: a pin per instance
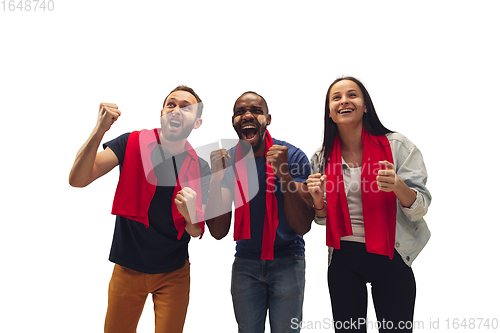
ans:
(155, 249)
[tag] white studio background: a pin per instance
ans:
(431, 68)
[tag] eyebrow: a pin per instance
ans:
(181, 101)
(338, 92)
(253, 107)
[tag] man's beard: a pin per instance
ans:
(261, 141)
(177, 136)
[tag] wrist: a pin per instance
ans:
(216, 178)
(98, 132)
(405, 194)
(285, 178)
(322, 205)
(191, 217)
(194, 230)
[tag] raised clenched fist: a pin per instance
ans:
(108, 114)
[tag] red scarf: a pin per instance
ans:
(242, 210)
(134, 192)
(379, 208)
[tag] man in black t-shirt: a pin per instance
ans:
(159, 204)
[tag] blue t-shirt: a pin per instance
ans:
(155, 249)
(288, 242)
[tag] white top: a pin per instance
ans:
(352, 184)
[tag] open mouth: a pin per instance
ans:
(249, 132)
(346, 111)
(174, 123)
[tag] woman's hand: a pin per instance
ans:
(389, 181)
(316, 187)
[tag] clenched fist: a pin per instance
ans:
(218, 163)
(277, 156)
(316, 186)
(185, 201)
(387, 180)
(108, 114)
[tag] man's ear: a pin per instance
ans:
(197, 123)
(269, 119)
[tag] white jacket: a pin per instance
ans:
(412, 232)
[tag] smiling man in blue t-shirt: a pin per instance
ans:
(269, 267)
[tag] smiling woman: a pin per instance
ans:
(349, 94)
(347, 105)
(371, 231)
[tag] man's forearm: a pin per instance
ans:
(299, 211)
(81, 172)
(220, 220)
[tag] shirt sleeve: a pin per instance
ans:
(411, 169)
(118, 146)
(298, 165)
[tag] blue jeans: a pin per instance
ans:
(259, 285)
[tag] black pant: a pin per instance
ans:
(392, 283)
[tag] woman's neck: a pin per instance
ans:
(352, 145)
(351, 138)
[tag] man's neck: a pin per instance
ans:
(173, 147)
(260, 151)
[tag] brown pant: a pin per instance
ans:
(128, 290)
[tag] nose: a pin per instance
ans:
(247, 115)
(344, 101)
(175, 111)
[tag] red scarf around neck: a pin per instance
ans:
(134, 191)
(242, 210)
(379, 208)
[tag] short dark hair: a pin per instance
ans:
(191, 91)
(253, 92)
(371, 122)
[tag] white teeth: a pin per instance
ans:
(345, 111)
(249, 126)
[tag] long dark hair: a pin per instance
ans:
(371, 122)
